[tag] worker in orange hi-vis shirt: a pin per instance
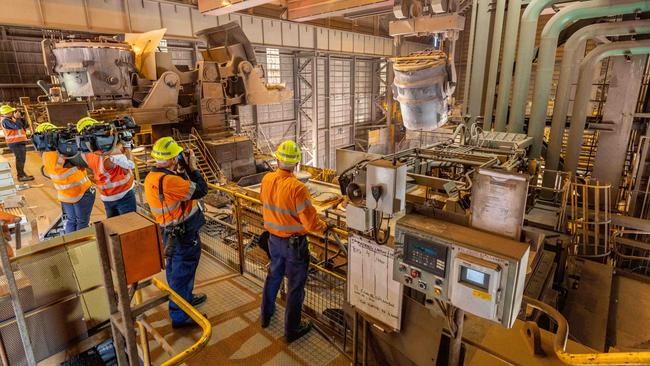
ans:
(288, 216)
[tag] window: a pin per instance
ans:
(272, 65)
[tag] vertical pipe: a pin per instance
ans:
(572, 54)
(314, 101)
(240, 236)
(494, 63)
(525, 53)
(481, 40)
(507, 64)
(583, 91)
(353, 99)
(328, 155)
(546, 56)
(456, 338)
(470, 56)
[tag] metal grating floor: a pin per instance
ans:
(233, 308)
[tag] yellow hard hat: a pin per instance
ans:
(6, 109)
(45, 127)
(166, 148)
(288, 152)
(85, 122)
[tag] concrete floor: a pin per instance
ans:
(232, 307)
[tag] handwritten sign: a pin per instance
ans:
(371, 287)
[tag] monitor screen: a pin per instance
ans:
(427, 255)
(474, 277)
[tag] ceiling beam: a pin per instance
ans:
(305, 10)
(223, 7)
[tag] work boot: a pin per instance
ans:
(198, 299)
(265, 322)
(25, 178)
(186, 324)
(303, 329)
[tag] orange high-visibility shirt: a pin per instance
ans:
(287, 207)
(168, 209)
(112, 183)
(70, 183)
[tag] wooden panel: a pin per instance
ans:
(106, 14)
(174, 18)
(587, 306)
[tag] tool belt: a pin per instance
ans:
(174, 234)
(296, 241)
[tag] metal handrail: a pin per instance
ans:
(194, 315)
(596, 358)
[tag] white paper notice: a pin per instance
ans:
(371, 287)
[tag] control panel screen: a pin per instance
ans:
(425, 254)
(474, 277)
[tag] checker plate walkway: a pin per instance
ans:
(233, 308)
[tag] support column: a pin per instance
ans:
(479, 59)
(618, 115)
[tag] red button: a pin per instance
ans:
(415, 273)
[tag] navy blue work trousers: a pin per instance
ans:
(182, 264)
(77, 215)
(294, 262)
(124, 205)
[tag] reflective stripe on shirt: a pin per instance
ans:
(284, 227)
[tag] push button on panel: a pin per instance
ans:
(415, 273)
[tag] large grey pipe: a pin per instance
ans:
(583, 91)
(525, 53)
(494, 63)
(546, 57)
(507, 63)
(571, 57)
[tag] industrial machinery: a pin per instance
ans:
(479, 272)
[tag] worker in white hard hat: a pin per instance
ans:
(172, 190)
(13, 125)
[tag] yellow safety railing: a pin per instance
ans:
(596, 358)
(195, 315)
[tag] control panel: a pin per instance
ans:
(423, 265)
(479, 272)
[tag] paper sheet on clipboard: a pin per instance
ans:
(499, 202)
